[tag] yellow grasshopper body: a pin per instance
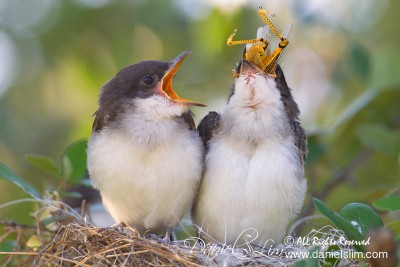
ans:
(258, 53)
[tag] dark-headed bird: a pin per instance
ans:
(144, 154)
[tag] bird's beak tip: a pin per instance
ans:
(167, 81)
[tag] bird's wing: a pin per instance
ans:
(188, 118)
(300, 140)
(292, 110)
(100, 119)
(98, 122)
(208, 125)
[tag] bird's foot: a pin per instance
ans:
(119, 227)
(166, 240)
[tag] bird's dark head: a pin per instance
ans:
(143, 80)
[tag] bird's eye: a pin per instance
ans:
(147, 80)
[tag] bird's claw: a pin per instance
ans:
(166, 240)
(119, 227)
(158, 239)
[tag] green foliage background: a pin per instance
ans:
(62, 52)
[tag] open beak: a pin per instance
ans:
(167, 81)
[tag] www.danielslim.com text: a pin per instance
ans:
(340, 254)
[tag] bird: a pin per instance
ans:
(144, 154)
(253, 180)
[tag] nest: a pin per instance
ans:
(70, 240)
(77, 245)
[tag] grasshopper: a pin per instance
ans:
(259, 52)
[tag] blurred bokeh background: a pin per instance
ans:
(342, 63)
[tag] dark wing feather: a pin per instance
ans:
(100, 119)
(300, 140)
(292, 110)
(207, 126)
(188, 118)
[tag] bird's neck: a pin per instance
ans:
(256, 111)
(151, 121)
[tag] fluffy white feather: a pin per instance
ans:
(148, 166)
(253, 177)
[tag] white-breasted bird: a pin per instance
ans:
(253, 182)
(144, 154)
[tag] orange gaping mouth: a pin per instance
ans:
(166, 85)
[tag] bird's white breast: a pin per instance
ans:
(253, 176)
(148, 168)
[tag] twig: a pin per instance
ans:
(17, 225)
(20, 201)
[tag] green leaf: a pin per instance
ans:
(44, 164)
(362, 216)
(67, 168)
(300, 263)
(33, 242)
(313, 261)
(390, 203)
(74, 162)
(342, 223)
(9, 175)
(333, 261)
